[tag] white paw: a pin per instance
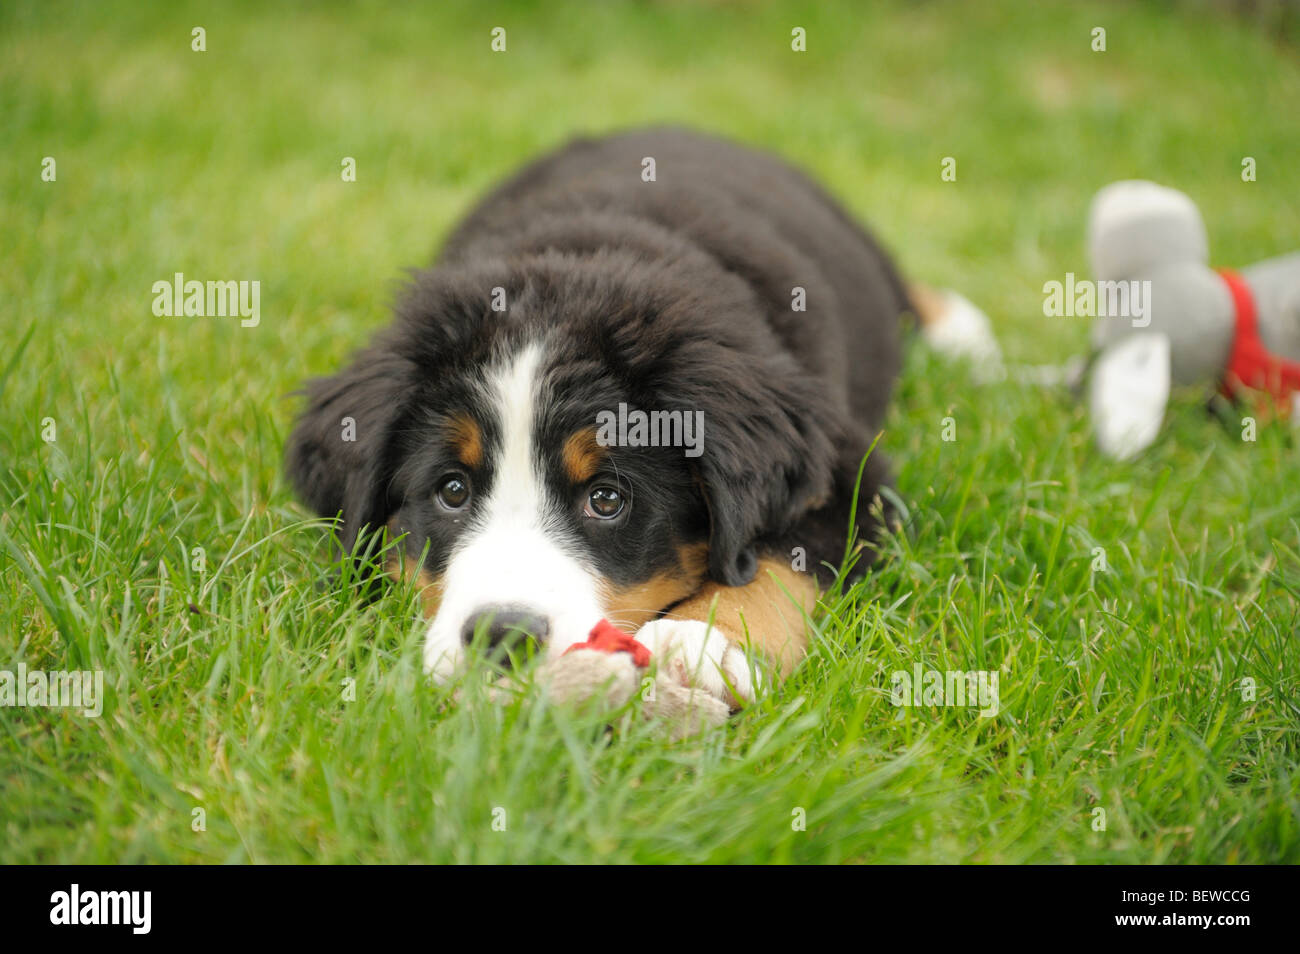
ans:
(699, 657)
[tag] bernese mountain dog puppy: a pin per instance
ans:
(639, 385)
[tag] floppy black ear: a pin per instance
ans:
(339, 454)
(767, 456)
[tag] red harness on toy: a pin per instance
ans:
(1251, 366)
(608, 638)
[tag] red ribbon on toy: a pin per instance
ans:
(1251, 365)
(605, 637)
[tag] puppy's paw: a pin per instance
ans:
(698, 656)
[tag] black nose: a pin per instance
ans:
(505, 627)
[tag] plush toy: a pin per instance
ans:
(608, 670)
(1181, 323)
(956, 329)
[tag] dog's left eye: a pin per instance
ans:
(603, 503)
(453, 492)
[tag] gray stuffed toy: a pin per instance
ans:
(1166, 319)
(609, 680)
(608, 670)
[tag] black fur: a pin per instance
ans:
(672, 294)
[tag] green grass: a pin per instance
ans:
(1121, 690)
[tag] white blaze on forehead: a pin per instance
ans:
(517, 495)
(514, 551)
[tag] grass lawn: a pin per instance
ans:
(255, 712)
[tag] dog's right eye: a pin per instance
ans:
(604, 503)
(453, 492)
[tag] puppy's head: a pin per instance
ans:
(620, 433)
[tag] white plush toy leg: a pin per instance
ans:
(700, 656)
(1128, 392)
(957, 329)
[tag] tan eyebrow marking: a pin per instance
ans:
(582, 455)
(466, 439)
